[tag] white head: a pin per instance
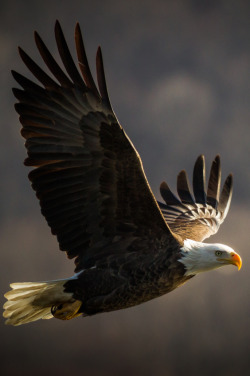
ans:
(200, 257)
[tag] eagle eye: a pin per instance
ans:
(218, 253)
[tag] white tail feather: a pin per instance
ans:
(31, 301)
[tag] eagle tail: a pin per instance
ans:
(31, 301)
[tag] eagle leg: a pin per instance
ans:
(67, 311)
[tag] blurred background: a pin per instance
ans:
(178, 74)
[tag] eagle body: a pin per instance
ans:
(131, 281)
(90, 182)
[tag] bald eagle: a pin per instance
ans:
(89, 179)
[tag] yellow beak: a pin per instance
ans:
(236, 260)
(233, 259)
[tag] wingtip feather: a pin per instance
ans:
(199, 178)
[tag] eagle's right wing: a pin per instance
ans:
(200, 216)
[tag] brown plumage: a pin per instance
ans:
(201, 217)
(94, 194)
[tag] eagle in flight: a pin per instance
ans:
(89, 179)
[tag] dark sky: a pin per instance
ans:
(178, 77)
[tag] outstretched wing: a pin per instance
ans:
(200, 216)
(88, 177)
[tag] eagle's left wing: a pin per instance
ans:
(87, 174)
(200, 216)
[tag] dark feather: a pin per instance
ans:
(168, 195)
(226, 195)
(199, 180)
(66, 57)
(214, 181)
(37, 71)
(101, 78)
(83, 62)
(183, 188)
(26, 83)
(51, 63)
